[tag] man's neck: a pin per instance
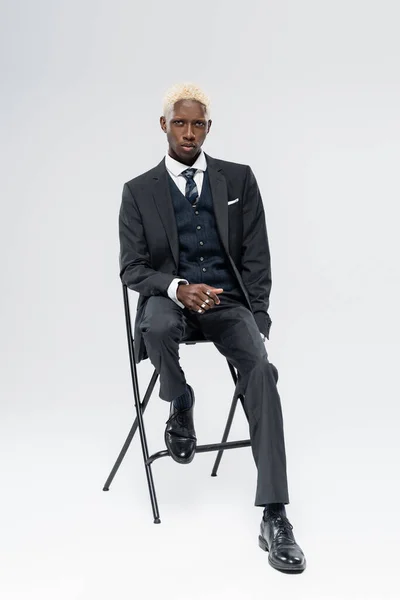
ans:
(188, 162)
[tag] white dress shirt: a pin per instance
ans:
(175, 170)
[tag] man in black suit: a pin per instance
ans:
(193, 243)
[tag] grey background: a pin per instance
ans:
(308, 94)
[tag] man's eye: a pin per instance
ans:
(177, 122)
(200, 123)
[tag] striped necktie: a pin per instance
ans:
(191, 191)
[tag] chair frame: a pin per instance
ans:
(140, 406)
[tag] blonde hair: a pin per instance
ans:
(185, 91)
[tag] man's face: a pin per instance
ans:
(186, 127)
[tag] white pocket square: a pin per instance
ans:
(233, 201)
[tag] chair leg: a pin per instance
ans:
(228, 423)
(131, 433)
(145, 451)
(225, 435)
(138, 407)
(139, 424)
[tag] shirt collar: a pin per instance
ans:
(176, 168)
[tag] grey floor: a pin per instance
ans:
(62, 537)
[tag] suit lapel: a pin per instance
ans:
(220, 199)
(163, 200)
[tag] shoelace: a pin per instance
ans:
(180, 416)
(282, 524)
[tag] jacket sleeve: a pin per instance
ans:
(256, 260)
(136, 271)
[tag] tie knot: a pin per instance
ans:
(189, 173)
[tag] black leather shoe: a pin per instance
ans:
(276, 537)
(180, 436)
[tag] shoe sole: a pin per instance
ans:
(292, 569)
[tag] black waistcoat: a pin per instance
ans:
(202, 258)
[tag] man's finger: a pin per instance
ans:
(204, 306)
(212, 292)
(211, 297)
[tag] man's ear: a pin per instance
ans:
(163, 124)
(209, 125)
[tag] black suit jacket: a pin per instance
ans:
(149, 246)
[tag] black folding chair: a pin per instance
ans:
(140, 406)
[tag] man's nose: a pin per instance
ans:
(189, 135)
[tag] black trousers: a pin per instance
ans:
(233, 330)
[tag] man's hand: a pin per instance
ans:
(198, 296)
